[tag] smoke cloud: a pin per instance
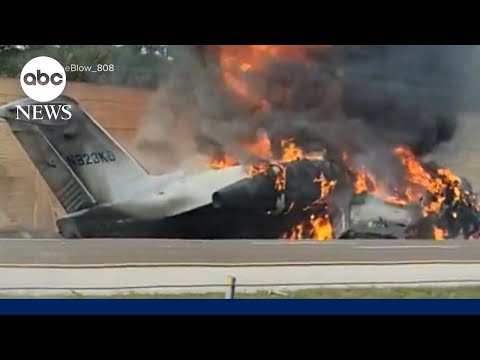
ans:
(409, 94)
(361, 98)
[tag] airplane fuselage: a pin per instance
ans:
(201, 223)
(170, 206)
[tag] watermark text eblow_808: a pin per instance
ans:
(90, 68)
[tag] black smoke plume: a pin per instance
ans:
(408, 94)
(362, 98)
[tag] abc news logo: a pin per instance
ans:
(43, 79)
(51, 112)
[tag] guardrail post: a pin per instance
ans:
(230, 282)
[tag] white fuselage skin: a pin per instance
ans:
(157, 197)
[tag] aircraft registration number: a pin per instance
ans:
(95, 157)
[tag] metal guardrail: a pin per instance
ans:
(230, 286)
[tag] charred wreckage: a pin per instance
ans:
(347, 144)
(323, 199)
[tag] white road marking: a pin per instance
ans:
(407, 247)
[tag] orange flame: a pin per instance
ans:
(237, 60)
(429, 189)
(316, 228)
(281, 178)
(319, 227)
(296, 233)
(364, 182)
(256, 169)
(438, 234)
(290, 152)
(419, 183)
(261, 147)
(326, 187)
(422, 186)
(223, 162)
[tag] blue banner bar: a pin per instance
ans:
(238, 307)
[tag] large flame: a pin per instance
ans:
(236, 61)
(421, 186)
(316, 228)
(424, 187)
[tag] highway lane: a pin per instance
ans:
(59, 282)
(145, 252)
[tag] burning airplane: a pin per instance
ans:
(298, 142)
(341, 150)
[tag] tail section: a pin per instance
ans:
(81, 163)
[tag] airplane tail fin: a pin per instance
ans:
(81, 163)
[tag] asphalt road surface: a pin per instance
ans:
(144, 252)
